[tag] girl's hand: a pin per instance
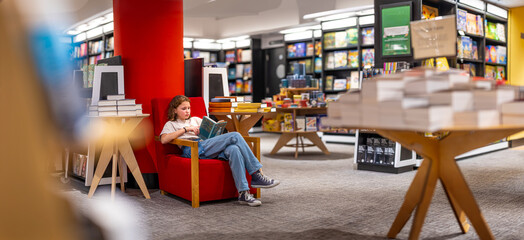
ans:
(194, 129)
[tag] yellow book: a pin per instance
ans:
(248, 105)
(246, 110)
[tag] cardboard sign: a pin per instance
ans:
(434, 38)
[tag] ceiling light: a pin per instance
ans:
(336, 16)
(298, 36)
(188, 39)
(205, 40)
(300, 29)
(338, 11)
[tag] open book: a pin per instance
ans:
(209, 128)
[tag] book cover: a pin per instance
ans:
(318, 65)
(492, 54)
(480, 27)
(341, 59)
(466, 46)
(239, 55)
(341, 39)
(230, 56)
(329, 83)
(501, 73)
(232, 87)
(318, 48)
(461, 20)
(429, 12)
(247, 87)
(500, 32)
(246, 55)
(223, 104)
(353, 58)
(474, 50)
(330, 60)
(239, 85)
(239, 70)
(460, 49)
(231, 73)
(311, 123)
(490, 72)
(309, 66)
(300, 123)
(209, 128)
(309, 49)
(492, 31)
(300, 49)
(320, 126)
(352, 36)
(368, 57)
(368, 36)
(329, 40)
(248, 72)
(471, 24)
(339, 84)
(472, 70)
(354, 80)
(501, 54)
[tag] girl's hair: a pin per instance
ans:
(175, 102)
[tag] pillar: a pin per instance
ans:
(149, 37)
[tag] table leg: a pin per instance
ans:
(425, 200)
(121, 172)
(247, 123)
(103, 161)
(113, 172)
(129, 158)
(457, 210)
(315, 139)
(282, 141)
(296, 145)
(411, 200)
(302, 143)
(458, 188)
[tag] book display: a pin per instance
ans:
(347, 50)
(481, 40)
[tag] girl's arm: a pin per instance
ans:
(168, 137)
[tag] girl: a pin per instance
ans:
(230, 146)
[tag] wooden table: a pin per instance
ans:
(116, 142)
(239, 121)
(439, 164)
(285, 137)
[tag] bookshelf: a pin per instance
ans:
(347, 50)
(481, 36)
(91, 46)
(242, 61)
(307, 52)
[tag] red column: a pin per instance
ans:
(149, 37)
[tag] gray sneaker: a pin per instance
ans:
(245, 197)
(260, 181)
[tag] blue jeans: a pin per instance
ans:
(232, 147)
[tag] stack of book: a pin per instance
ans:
(427, 100)
(115, 105)
(235, 104)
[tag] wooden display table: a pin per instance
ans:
(239, 121)
(439, 163)
(285, 137)
(116, 142)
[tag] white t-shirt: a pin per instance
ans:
(173, 126)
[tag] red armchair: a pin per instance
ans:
(191, 178)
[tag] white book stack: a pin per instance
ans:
(492, 99)
(431, 118)
(350, 106)
(460, 101)
(126, 107)
(480, 118)
(107, 108)
(512, 113)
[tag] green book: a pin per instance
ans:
(209, 128)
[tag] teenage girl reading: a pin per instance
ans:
(229, 146)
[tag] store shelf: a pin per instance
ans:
(470, 34)
(367, 46)
(470, 9)
(493, 41)
(495, 64)
(341, 48)
(299, 58)
(492, 17)
(469, 60)
(340, 69)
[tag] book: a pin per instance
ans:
(106, 102)
(471, 23)
(291, 51)
(480, 27)
(209, 128)
(352, 36)
(116, 97)
(341, 59)
(318, 65)
(513, 108)
(127, 113)
(127, 108)
(221, 109)
(501, 54)
(329, 40)
(353, 58)
(329, 83)
(341, 39)
(223, 104)
(318, 48)
(368, 57)
(368, 36)
(500, 32)
(108, 114)
(426, 86)
(300, 49)
(461, 20)
(230, 56)
(125, 102)
(482, 118)
(339, 84)
(107, 108)
(429, 12)
(330, 60)
(311, 123)
(246, 55)
(309, 49)
(239, 55)
(250, 105)
(235, 98)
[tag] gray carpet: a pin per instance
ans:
(329, 199)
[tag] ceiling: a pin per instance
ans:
(220, 9)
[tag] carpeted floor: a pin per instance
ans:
(324, 197)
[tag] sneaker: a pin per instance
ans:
(246, 198)
(260, 181)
